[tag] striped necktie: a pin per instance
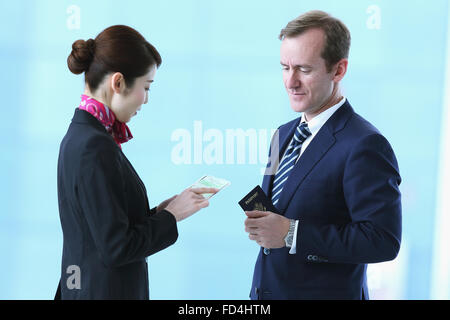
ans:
(289, 160)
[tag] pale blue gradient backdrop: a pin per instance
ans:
(220, 67)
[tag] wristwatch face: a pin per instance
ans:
(288, 240)
(290, 235)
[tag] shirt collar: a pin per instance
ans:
(318, 121)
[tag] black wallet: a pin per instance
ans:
(257, 200)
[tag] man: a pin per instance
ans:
(331, 175)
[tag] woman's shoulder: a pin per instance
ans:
(81, 140)
(100, 150)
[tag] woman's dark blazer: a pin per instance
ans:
(107, 224)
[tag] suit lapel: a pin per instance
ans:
(318, 147)
(267, 181)
(321, 143)
(278, 145)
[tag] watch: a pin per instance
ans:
(290, 235)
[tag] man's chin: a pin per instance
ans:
(298, 107)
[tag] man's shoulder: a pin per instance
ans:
(289, 124)
(359, 132)
(360, 126)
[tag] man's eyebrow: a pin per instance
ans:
(297, 65)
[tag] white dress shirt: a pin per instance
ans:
(314, 126)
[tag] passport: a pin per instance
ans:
(257, 200)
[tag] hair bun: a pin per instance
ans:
(91, 46)
(81, 56)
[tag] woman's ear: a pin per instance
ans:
(118, 83)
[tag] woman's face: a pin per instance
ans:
(126, 102)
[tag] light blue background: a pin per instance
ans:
(220, 67)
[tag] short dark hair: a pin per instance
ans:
(338, 38)
(118, 48)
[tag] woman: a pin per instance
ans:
(107, 224)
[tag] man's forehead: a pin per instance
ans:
(300, 58)
(310, 39)
(312, 34)
(304, 48)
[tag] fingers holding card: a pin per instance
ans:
(210, 183)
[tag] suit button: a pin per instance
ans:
(266, 251)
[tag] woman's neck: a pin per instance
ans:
(99, 95)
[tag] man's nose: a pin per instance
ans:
(293, 80)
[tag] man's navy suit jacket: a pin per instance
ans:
(344, 190)
(108, 227)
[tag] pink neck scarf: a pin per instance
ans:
(119, 130)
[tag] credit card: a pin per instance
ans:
(210, 182)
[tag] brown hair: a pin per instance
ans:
(116, 49)
(338, 38)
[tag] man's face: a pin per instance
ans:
(308, 83)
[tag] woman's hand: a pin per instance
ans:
(189, 202)
(164, 204)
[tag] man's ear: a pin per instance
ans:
(118, 83)
(340, 70)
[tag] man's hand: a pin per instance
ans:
(268, 229)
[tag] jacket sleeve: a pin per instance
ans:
(371, 190)
(102, 197)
